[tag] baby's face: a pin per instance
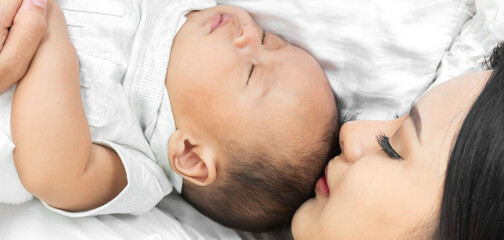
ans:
(227, 77)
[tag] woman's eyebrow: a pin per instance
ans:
(417, 122)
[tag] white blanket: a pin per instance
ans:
(379, 55)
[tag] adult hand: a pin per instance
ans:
(22, 26)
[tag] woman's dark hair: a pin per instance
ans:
(473, 198)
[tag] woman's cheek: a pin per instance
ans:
(306, 219)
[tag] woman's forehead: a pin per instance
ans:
(442, 112)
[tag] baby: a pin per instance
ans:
(240, 118)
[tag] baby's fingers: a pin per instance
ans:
(8, 9)
(28, 28)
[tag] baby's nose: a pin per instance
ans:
(247, 42)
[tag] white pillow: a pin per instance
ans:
(476, 41)
(379, 55)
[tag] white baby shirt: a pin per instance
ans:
(123, 48)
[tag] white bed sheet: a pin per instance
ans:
(379, 58)
(172, 218)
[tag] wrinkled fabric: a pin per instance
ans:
(475, 43)
(379, 56)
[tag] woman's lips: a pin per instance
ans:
(321, 187)
(219, 20)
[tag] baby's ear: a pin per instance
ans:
(193, 160)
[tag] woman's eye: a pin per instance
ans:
(263, 37)
(384, 143)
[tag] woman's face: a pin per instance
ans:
(388, 181)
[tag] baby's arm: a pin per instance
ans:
(54, 156)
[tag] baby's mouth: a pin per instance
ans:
(219, 20)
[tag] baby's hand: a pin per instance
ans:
(22, 25)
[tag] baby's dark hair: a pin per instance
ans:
(261, 190)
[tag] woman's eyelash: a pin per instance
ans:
(384, 142)
(263, 36)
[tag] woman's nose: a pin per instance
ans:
(351, 141)
(248, 41)
(358, 138)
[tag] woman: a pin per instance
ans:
(435, 173)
